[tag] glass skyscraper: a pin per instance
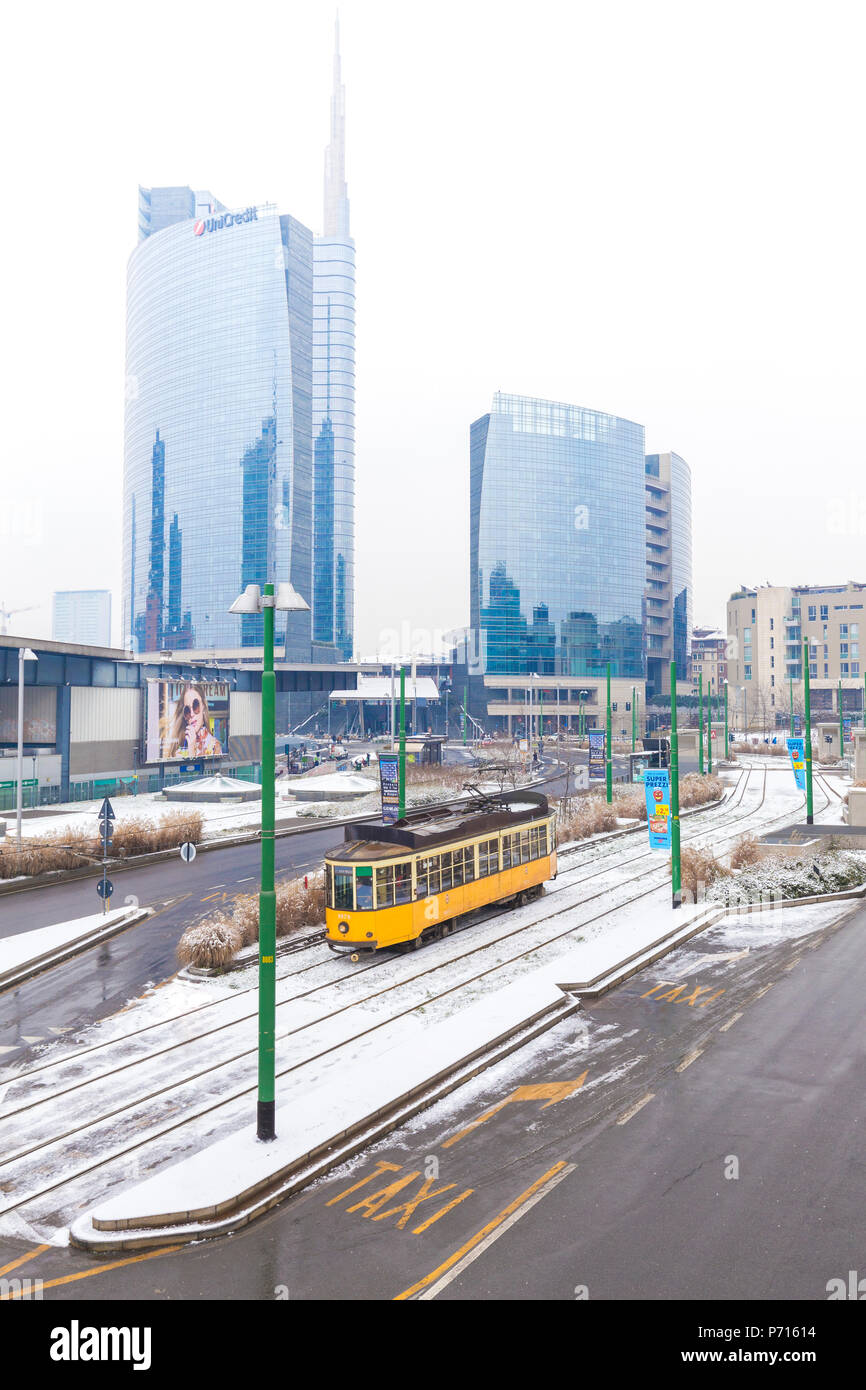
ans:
(239, 441)
(557, 536)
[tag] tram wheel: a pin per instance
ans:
(354, 957)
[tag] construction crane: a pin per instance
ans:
(7, 613)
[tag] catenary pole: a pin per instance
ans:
(676, 873)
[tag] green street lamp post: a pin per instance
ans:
(252, 600)
(709, 733)
(841, 725)
(608, 761)
(808, 739)
(676, 872)
(726, 721)
(791, 685)
(700, 721)
(633, 724)
(401, 760)
(465, 697)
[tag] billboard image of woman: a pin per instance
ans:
(186, 720)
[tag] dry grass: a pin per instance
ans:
(580, 817)
(215, 940)
(699, 867)
(771, 750)
(745, 851)
(71, 849)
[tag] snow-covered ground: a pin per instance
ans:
(177, 1070)
(19, 950)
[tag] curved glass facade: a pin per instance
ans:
(558, 565)
(218, 439)
(334, 441)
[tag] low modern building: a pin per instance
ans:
(97, 720)
(82, 616)
(766, 629)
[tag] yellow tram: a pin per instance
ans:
(407, 883)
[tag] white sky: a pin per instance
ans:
(652, 208)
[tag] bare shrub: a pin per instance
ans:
(209, 944)
(579, 819)
(699, 867)
(745, 851)
(697, 790)
(58, 849)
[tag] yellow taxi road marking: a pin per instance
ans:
(22, 1259)
(689, 1058)
(380, 1168)
(731, 1021)
(624, 1119)
(675, 994)
(210, 896)
(372, 1204)
(551, 1092)
(472, 1248)
(100, 1269)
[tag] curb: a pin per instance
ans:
(20, 973)
(184, 1227)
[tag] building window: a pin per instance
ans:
(813, 669)
(772, 699)
(772, 680)
(843, 629)
(855, 668)
(826, 669)
(813, 612)
(771, 629)
(747, 673)
(825, 611)
(844, 668)
(843, 648)
(855, 629)
(753, 615)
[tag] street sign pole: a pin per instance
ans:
(709, 733)
(726, 721)
(841, 725)
(266, 1119)
(633, 720)
(465, 697)
(676, 874)
(608, 760)
(808, 750)
(791, 686)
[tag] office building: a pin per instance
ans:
(239, 441)
(82, 616)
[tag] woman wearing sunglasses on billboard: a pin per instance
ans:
(190, 735)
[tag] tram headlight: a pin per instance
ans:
(343, 927)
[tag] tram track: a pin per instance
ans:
(226, 1099)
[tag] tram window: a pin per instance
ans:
(384, 887)
(329, 886)
(447, 871)
(488, 857)
(524, 846)
(434, 875)
(364, 893)
(506, 851)
(542, 840)
(421, 878)
(403, 882)
(469, 863)
(344, 899)
(534, 851)
(457, 866)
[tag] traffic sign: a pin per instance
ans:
(187, 852)
(106, 830)
(106, 810)
(105, 888)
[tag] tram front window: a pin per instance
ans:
(364, 890)
(343, 895)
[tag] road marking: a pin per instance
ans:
(215, 885)
(732, 1020)
(247, 880)
(211, 895)
(22, 1259)
(437, 1279)
(551, 1092)
(32, 1038)
(623, 1119)
(101, 1269)
(58, 1030)
(8, 1049)
(689, 1058)
(795, 961)
(762, 992)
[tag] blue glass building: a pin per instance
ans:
(557, 536)
(239, 438)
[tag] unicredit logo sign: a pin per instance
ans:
(228, 219)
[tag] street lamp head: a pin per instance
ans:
(289, 600)
(27, 654)
(250, 601)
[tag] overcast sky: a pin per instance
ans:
(652, 209)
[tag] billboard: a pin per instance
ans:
(657, 786)
(797, 750)
(389, 779)
(597, 766)
(186, 720)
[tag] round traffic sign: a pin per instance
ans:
(105, 888)
(187, 851)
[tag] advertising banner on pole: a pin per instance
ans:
(657, 783)
(389, 781)
(596, 755)
(797, 749)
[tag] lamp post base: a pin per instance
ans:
(265, 1126)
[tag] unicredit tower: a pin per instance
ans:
(239, 438)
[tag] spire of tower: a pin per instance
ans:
(336, 192)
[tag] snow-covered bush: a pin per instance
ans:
(779, 876)
(299, 904)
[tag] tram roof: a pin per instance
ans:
(428, 829)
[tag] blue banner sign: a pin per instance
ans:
(657, 784)
(596, 755)
(389, 780)
(797, 748)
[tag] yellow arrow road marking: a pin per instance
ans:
(551, 1092)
